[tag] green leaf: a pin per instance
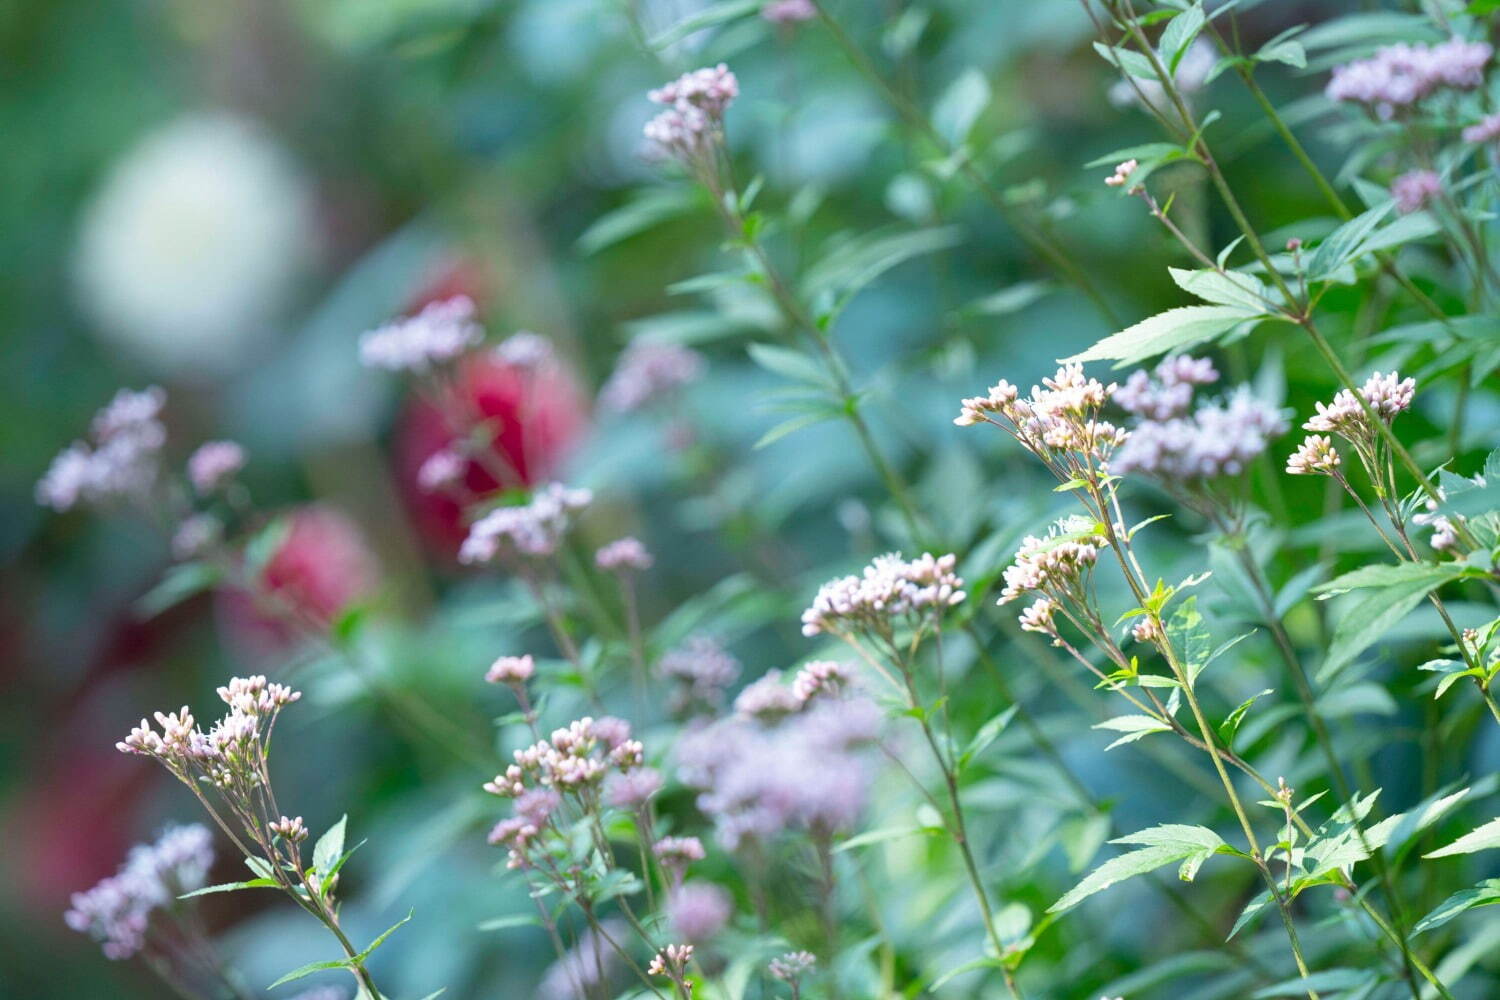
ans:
(960, 106)
(180, 582)
(1250, 913)
(506, 923)
(1165, 845)
(707, 17)
(987, 734)
(1326, 981)
(309, 969)
(1371, 617)
(1342, 245)
(647, 209)
(329, 847)
(1191, 638)
(1486, 893)
(1391, 575)
(1133, 726)
(986, 962)
(385, 934)
(791, 426)
(1127, 61)
(1289, 52)
(1173, 330)
(1230, 288)
(882, 835)
(260, 549)
(1231, 723)
(788, 363)
(1179, 34)
(255, 883)
(1485, 838)
(846, 270)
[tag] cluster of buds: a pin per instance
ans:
(232, 753)
(649, 370)
(891, 590)
(821, 678)
(693, 125)
(672, 962)
(788, 11)
(1386, 395)
(120, 461)
(513, 671)
(1122, 173)
(1058, 422)
(532, 530)
(623, 555)
(791, 967)
(292, 830)
(1485, 130)
(214, 465)
(767, 698)
(574, 762)
(674, 854)
(1056, 568)
(1219, 439)
(439, 334)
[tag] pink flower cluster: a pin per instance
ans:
(890, 588)
(120, 461)
(214, 465)
(623, 554)
(648, 370)
(702, 669)
(1388, 395)
(531, 530)
(1414, 189)
(574, 761)
(694, 118)
(805, 771)
(117, 911)
(435, 336)
(1398, 77)
(230, 754)
(1059, 416)
(1168, 391)
(788, 11)
(1055, 565)
(1219, 439)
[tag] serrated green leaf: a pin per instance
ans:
(1174, 330)
(1179, 34)
(1486, 837)
(1371, 617)
(1486, 893)
(1167, 844)
(1230, 288)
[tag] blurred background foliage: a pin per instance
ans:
(296, 171)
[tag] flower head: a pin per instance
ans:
(648, 371)
(435, 336)
(623, 554)
(117, 912)
(532, 530)
(511, 670)
(1398, 77)
(214, 464)
(694, 120)
(1314, 456)
(890, 589)
(697, 911)
(1414, 189)
(119, 462)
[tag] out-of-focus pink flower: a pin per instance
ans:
(322, 565)
(536, 414)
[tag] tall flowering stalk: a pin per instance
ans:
(227, 768)
(886, 614)
(1059, 423)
